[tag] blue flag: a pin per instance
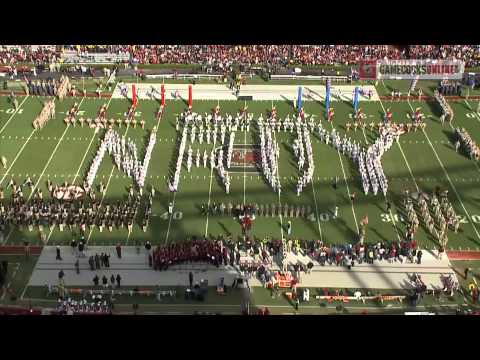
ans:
(327, 97)
(299, 98)
(355, 99)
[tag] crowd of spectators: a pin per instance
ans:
(345, 255)
(250, 55)
(13, 55)
(221, 57)
(469, 53)
(224, 252)
(348, 255)
(188, 251)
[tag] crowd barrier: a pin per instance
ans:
(19, 250)
(184, 76)
(311, 77)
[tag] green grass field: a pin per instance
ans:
(423, 159)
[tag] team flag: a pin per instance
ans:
(134, 96)
(355, 98)
(327, 97)
(189, 96)
(163, 95)
(299, 98)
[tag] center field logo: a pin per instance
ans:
(245, 158)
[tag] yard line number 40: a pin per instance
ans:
(12, 110)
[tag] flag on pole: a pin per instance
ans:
(299, 98)
(189, 96)
(327, 97)
(134, 96)
(163, 95)
(355, 98)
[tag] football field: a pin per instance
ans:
(421, 160)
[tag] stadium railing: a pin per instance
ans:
(19, 250)
(311, 77)
(12, 310)
(184, 76)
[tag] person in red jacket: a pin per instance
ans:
(330, 114)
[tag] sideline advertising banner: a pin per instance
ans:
(410, 69)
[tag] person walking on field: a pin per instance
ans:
(289, 228)
(58, 253)
(190, 279)
(352, 197)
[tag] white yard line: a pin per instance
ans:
(449, 180)
(10, 282)
(77, 173)
(5, 241)
(474, 112)
(476, 117)
(209, 194)
(25, 289)
(244, 174)
(105, 190)
(278, 192)
(411, 174)
(14, 113)
(390, 211)
(51, 156)
(316, 211)
(171, 216)
(404, 157)
(316, 206)
(158, 123)
(106, 187)
(348, 188)
(48, 162)
(365, 136)
(453, 129)
(18, 154)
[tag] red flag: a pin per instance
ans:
(134, 96)
(163, 95)
(189, 96)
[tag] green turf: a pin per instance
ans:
(412, 162)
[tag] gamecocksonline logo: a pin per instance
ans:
(367, 69)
